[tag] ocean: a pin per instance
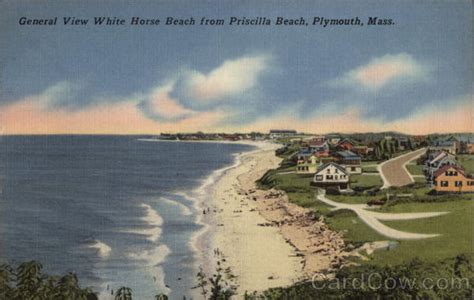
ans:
(116, 210)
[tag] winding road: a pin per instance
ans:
(394, 171)
(373, 219)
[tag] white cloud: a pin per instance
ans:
(55, 95)
(231, 78)
(382, 71)
(162, 104)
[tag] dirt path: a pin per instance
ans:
(394, 172)
(373, 219)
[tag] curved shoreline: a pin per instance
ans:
(257, 255)
(202, 242)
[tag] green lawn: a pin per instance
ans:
(293, 182)
(370, 163)
(287, 169)
(467, 161)
(456, 228)
(289, 151)
(369, 169)
(287, 140)
(365, 181)
(369, 166)
(354, 199)
(415, 169)
(355, 231)
(420, 180)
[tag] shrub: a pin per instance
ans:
(459, 268)
(333, 190)
(341, 212)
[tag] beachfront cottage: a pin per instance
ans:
(346, 144)
(436, 160)
(333, 139)
(304, 153)
(361, 150)
(404, 143)
(419, 140)
(331, 174)
(307, 165)
(350, 161)
(278, 133)
(318, 138)
(452, 179)
(448, 145)
(319, 147)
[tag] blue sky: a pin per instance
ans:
(170, 78)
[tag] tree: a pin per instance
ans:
(123, 293)
(221, 284)
(161, 297)
(6, 281)
(202, 282)
(29, 280)
(68, 288)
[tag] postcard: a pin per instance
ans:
(236, 149)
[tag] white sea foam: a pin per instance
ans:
(102, 248)
(185, 196)
(215, 175)
(151, 216)
(184, 210)
(153, 219)
(159, 275)
(153, 259)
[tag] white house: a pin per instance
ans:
(278, 133)
(331, 174)
(351, 161)
(307, 165)
(448, 145)
(438, 160)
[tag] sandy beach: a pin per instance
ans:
(266, 241)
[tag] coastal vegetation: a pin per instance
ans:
(218, 286)
(450, 278)
(27, 281)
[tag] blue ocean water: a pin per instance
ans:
(115, 210)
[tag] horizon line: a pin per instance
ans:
(203, 132)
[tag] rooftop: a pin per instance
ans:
(347, 154)
(324, 166)
(282, 131)
(447, 167)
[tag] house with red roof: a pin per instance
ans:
(346, 144)
(452, 179)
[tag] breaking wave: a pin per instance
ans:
(102, 249)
